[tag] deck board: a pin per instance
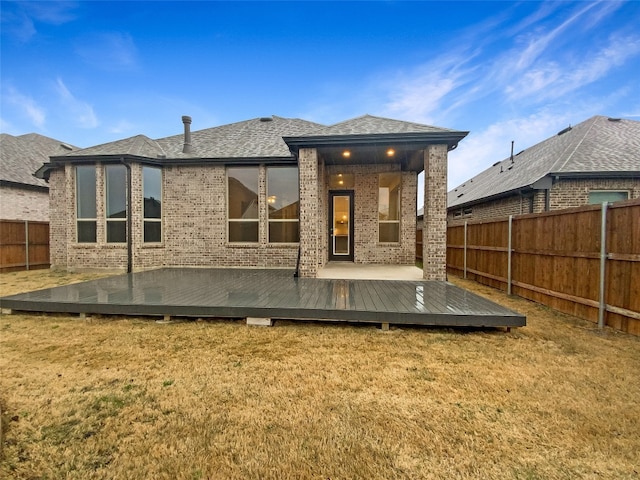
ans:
(277, 294)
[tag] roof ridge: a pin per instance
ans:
(593, 122)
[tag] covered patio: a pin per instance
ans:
(270, 294)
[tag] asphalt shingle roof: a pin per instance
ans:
(138, 145)
(370, 125)
(597, 145)
(255, 138)
(21, 156)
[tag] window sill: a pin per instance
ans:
(153, 245)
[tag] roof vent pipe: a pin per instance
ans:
(511, 151)
(186, 120)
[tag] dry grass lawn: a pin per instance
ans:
(130, 398)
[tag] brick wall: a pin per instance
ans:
(575, 192)
(565, 193)
(24, 204)
(194, 224)
(367, 249)
(194, 221)
(503, 207)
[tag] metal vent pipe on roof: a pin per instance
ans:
(186, 120)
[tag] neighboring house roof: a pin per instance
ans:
(599, 146)
(21, 156)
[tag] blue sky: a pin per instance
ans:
(92, 72)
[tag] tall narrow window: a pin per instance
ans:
(152, 207)
(389, 207)
(283, 204)
(86, 203)
(242, 204)
(116, 203)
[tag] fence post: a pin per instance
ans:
(465, 250)
(26, 244)
(509, 250)
(603, 264)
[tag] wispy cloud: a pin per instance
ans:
(109, 51)
(19, 19)
(573, 73)
(540, 58)
(81, 112)
(420, 95)
(26, 106)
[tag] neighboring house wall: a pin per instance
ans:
(575, 192)
(565, 193)
(24, 204)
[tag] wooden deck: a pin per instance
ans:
(275, 294)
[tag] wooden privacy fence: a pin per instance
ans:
(24, 245)
(582, 261)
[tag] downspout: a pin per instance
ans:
(547, 199)
(129, 222)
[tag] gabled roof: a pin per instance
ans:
(370, 125)
(21, 156)
(139, 146)
(599, 146)
(255, 138)
(368, 129)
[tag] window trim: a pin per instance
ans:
(106, 206)
(396, 222)
(79, 219)
(269, 220)
(243, 220)
(146, 220)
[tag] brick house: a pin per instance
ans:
(594, 161)
(23, 196)
(267, 192)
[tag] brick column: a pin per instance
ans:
(434, 229)
(309, 234)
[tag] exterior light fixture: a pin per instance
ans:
(391, 152)
(341, 182)
(346, 154)
(271, 199)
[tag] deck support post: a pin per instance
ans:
(259, 322)
(385, 327)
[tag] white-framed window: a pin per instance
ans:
(86, 216)
(389, 207)
(600, 196)
(283, 205)
(242, 204)
(152, 204)
(116, 203)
